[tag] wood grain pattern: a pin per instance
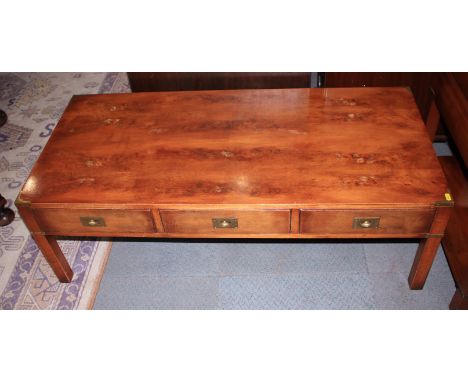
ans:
(420, 83)
(166, 164)
(313, 147)
(295, 220)
(391, 221)
(68, 220)
(249, 222)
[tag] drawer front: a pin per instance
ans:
(94, 220)
(225, 222)
(366, 221)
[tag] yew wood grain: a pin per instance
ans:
(248, 222)
(355, 146)
(167, 164)
(68, 220)
(390, 221)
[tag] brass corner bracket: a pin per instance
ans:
(448, 202)
(21, 202)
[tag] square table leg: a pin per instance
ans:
(458, 301)
(422, 264)
(54, 256)
(428, 247)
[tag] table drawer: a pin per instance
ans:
(376, 221)
(94, 220)
(222, 222)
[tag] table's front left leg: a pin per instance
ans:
(54, 256)
(47, 244)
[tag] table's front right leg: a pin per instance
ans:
(427, 249)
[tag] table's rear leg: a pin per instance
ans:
(458, 301)
(54, 256)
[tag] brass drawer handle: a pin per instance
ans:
(88, 221)
(370, 222)
(365, 224)
(224, 222)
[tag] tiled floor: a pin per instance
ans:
(311, 275)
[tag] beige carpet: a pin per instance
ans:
(34, 103)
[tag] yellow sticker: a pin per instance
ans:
(448, 197)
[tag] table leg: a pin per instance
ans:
(428, 247)
(422, 264)
(458, 301)
(54, 256)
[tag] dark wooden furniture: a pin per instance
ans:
(173, 81)
(450, 104)
(3, 118)
(419, 83)
(294, 163)
(6, 214)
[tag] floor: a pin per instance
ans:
(270, 275)
(311, 275)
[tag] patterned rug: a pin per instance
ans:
(34, 103)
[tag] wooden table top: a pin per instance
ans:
(301, 147)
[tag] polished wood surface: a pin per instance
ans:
(307, 147)
(390, 221)
(291, 163)
(419, 83)
(260, 221)
(68, 220)
(176, 81)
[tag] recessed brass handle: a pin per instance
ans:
(366, 222)
(224, 222)
(88, 221)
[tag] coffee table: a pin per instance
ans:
(290, 163)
